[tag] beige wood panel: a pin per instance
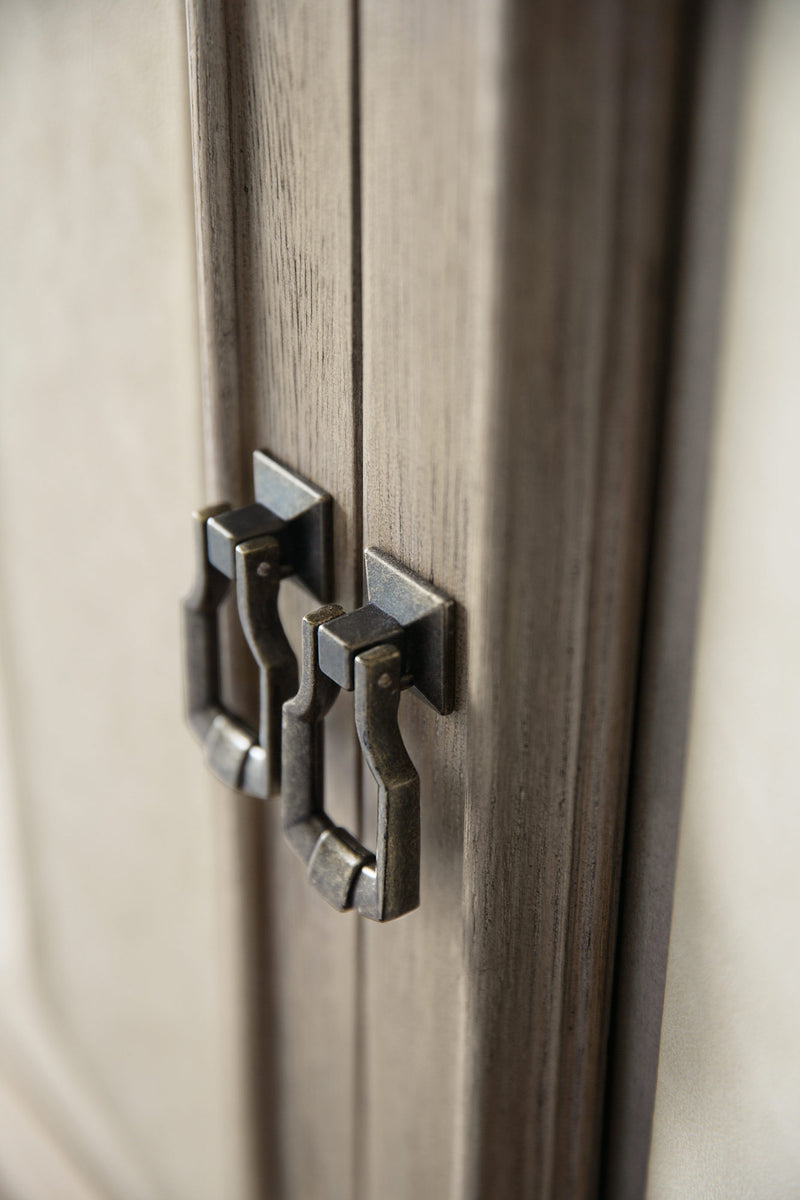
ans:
(516, 204)
(98, 463)
(32, 1161)
(727, 1105)
(272, 126)
(712, 104)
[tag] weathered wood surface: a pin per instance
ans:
(516, 261)
(272, 120)
(517, 193)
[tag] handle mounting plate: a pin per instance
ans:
(403, 610)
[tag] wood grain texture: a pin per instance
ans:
(273, 124)
(516, 267)
(424, 251)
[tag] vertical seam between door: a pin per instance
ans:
(357, 379)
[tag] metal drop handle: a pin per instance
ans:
(383, 885)
(403, 638)
(242, 758)
(285, 532)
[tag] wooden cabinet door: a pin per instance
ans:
(439, 253)
(439, 248)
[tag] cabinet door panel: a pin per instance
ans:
(273, 125)
(516, 188)
(436, 249)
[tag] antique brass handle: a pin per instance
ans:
(286, 531)
(381, 885)
(403, 638)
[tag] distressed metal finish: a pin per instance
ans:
(342, 639)
(370, 651)
(406, 611)
(305, 536)
(200, 636)
(428, 617)
(389, 886)
(255, 547)
(258, 575)
(303, 786)
(226, 530)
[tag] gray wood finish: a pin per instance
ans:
(665, 689)
(517, 181)
(507, 210)
(272, 122)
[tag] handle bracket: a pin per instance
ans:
(402, 638)
(287, 531)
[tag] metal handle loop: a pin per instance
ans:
(383, 885)
(239, 756)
